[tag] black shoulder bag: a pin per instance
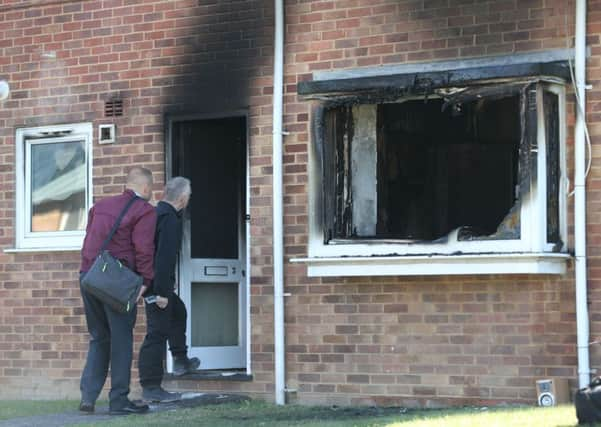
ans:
(109, 280)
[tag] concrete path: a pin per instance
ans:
(189, 400)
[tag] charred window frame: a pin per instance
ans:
(370, 162)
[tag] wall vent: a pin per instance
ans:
(113, 108)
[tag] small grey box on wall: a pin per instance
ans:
(106, 134)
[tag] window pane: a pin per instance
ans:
(58, 186)
(424, 169)
(214, 314)
(552, 127)
(336, 165)
(448, 168)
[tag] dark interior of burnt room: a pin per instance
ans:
(444, 168)
(440, 166)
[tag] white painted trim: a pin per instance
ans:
(44, 134)
(247, 249)
(436, 66)
(538, 192)
(317, 248)
(525, 263)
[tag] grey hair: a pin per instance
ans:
(176, 187)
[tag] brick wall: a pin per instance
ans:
(63, 61)
(368, 340)
(434, 340)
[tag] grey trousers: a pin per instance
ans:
(111, 342)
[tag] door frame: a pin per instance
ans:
(170, 119)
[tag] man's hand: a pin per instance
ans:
(142, 290)
(162, 302)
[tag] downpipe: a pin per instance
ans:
(582, 318)
(278, 212)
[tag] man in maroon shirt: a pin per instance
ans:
(112, 332)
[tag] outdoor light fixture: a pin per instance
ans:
(4, 90)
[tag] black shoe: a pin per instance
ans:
(159, 395)
(129, 408)
(86, 407)
(184, 365)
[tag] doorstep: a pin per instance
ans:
(210, 376)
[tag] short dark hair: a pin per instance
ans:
(137, 174)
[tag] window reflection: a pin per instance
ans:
(58, 186)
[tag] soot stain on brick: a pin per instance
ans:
(229, 44)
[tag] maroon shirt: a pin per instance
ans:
(133, 242)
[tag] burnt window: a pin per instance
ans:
(460, 163)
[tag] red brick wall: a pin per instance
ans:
(433, 340)
(391, 340)
(63, 61)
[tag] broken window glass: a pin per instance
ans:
(551, 106)
(458, 161)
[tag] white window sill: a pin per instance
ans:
(28, 250)
(421, 265)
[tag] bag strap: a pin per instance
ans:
(117, 223)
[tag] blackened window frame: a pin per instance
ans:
(533, 90)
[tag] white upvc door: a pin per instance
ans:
(213, 283)
(215, 289)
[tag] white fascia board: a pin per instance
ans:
(509, 263)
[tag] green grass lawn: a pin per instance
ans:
(267, 415)
(22, 408)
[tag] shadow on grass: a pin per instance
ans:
(303, 413)
(264, 414)
(297, 413)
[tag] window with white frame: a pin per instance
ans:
(54, 185)
(470, 171)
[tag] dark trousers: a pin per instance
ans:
(177, 335)
(168, 324)
(111, 342)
